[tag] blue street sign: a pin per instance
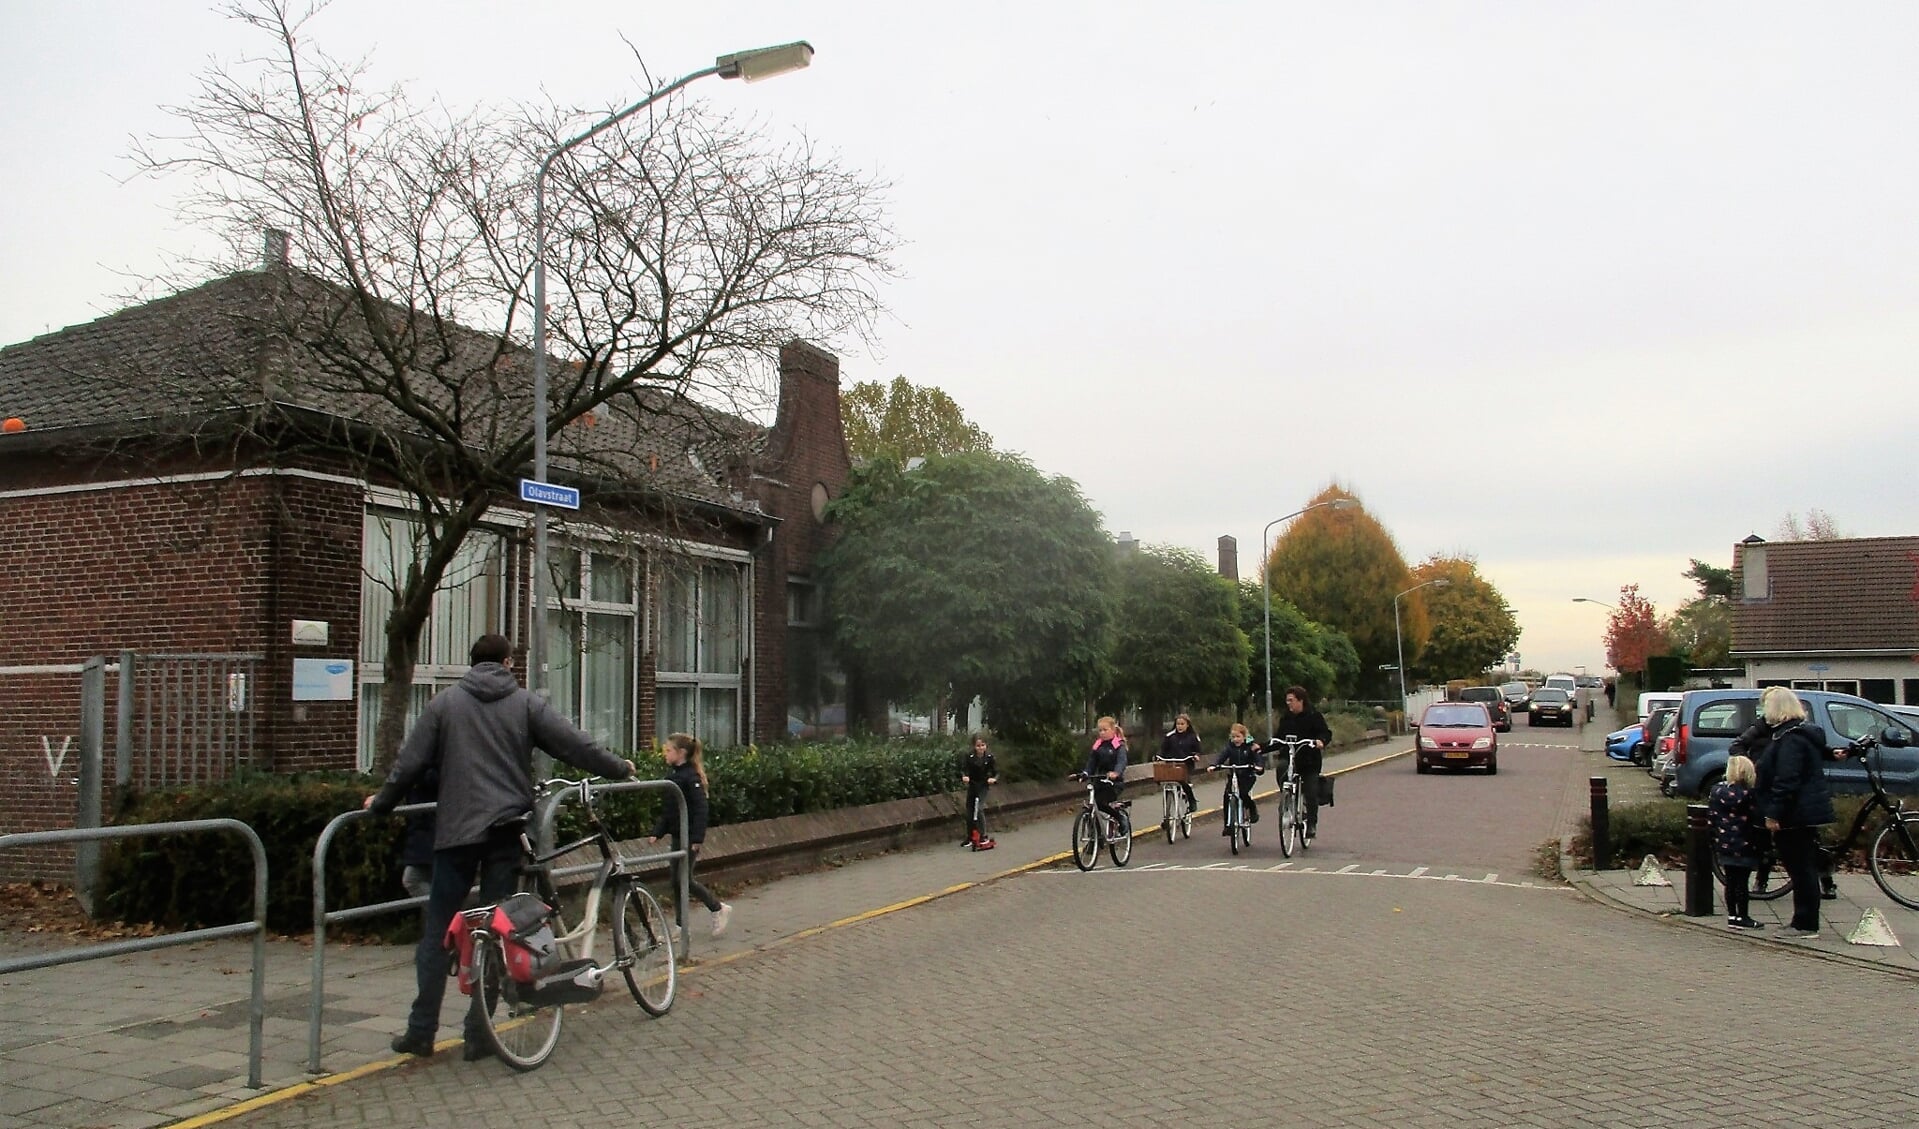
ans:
(547, 494)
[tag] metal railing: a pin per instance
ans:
(257, 928)
(543, 825)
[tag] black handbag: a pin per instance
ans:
(1325, 791)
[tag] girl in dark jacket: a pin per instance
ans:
(1792, 796)
(1243, 755)
(683, 768)
(1182, 742)
(1106, 765)
(1737, 839)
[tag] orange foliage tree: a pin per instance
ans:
(1632, 634)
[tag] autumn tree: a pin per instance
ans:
(1176, 641)
(1341, 568)
(1472, 628)
(903, 420)
(973, 575)
(681, 250)
(1632, 632)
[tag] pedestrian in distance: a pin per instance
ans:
(1178, 743)
(1242, 754)
(1612, 692)
(1302, 720)
(480, 734)
(1794, 799)
(1106, 765)
(1737, 837)
(978, 771)
(685, 767)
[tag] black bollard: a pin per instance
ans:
(1699, 878)
(1602, 825)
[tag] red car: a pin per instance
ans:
(1456, 735)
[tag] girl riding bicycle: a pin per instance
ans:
(1180, 743)
(1106, 764)
(1243, 755)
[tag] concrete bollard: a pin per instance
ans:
(1699, 879)
(1602, 824)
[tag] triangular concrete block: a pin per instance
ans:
(1873, 929)
(1649, 874)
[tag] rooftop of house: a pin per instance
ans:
(1848, 594)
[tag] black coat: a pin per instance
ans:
(687, 778)
(978, 770)
(1792, 777)
(1737, 835)
(1176, 745)
(1308, 722)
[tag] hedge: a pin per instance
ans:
(188, 881)
(1658, 828)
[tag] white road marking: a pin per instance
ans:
(1419, 873)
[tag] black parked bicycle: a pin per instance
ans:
(1894, 857)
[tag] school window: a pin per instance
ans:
(700, 653)
(1877, 690)
(467, 604)
(815, 686)
(593, 633)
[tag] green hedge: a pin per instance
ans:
(186, 881)
(1658, 828)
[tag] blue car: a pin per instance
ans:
(1620, 742)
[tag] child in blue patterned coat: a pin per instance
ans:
(1737, 837)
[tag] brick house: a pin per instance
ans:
(1837, 615)
(246, 574)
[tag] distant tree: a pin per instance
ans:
(1341, 569)
(1713, 581)
(1304, 653)
(1176, 642)
(1700, 631)
(903, 420)
(1632, 632)
(1472, 628)
(973, 575)
(1817, 525)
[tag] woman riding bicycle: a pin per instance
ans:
(1244, 756)
(1182, 742)
(1106, 765)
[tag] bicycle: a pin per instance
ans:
(1177, 811)
(1894, 856)
(1292, 805)
(1233, 805)
(527, 1029)
(1094, 829)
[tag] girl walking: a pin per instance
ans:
(683, 768)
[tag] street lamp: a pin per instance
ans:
(1266, 584)
(752, 66)
(1400, 641)
(1590, 600)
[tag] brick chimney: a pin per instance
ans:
(1229, 556)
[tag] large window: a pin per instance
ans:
(815, 687)
(593, 632)
(701, 650)
(466, 605)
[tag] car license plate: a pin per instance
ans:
(1458, 756)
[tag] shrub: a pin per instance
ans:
(1658, 828)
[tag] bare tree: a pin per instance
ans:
(682, 250)
(1817, 525)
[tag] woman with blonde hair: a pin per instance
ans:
(1791, 794)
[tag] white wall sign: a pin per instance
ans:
(322, 680)
(309, 632)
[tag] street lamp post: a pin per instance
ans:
(763, 62)
(1590, 600)
(1399, 640)
(1266, 585)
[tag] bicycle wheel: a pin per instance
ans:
(1288, 819)
(1230, 814)
(1185, 820)
(1120, 846)
(521, 1032)
(1085, 840)
(643, 944)
(1895, 860)
(1169, 822)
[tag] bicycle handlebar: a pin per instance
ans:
(1177, 760)
(1255, 769)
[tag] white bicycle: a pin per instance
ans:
(1292, 804)
(1176, 818)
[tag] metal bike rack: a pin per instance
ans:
(543, 825)
(257, 928)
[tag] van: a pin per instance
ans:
(1653, 699)
(1564, 682)
(1710, 719)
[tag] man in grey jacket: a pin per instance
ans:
(481, 735)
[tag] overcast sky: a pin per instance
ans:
(1582, 290)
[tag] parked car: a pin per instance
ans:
(1662, 735)
(1456, 735)
(1652, 699)
(1621, 744)
(1564, 682)
(1551, 704)
(1518, 695)
(1589, 682)
(1710, 719)
(1495, 703)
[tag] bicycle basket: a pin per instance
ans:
(1173, 771)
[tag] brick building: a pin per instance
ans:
(250, 577)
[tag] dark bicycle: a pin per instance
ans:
(1894, 856)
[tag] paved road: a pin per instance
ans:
(1250, 991)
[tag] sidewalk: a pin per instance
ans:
(152, 1038)
(1840, 918)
